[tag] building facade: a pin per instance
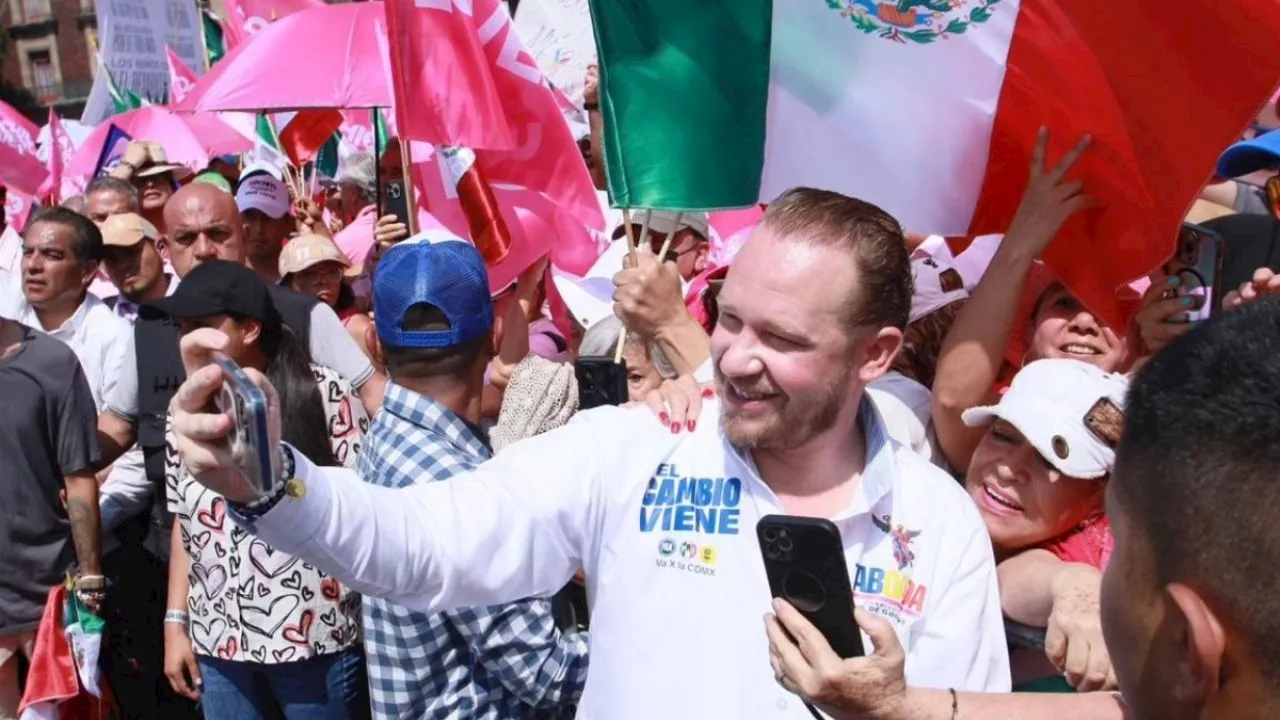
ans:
(48, 50)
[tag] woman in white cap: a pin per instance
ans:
(1038, 477)
(313, 265)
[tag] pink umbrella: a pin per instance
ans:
(337, 54)
(187, 139)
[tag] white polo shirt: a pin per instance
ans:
(99, 338)
(664, 526)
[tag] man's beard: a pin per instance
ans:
(794, 422)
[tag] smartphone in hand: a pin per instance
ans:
(804, 560)
(250, 438)
(601, 381)
(396, 202)
(1197, 263)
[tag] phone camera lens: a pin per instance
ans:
(785, 544)
(770, 535)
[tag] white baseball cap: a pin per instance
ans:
(941, 278)
(263, 192)
(1055, 404)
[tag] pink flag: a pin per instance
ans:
(20, 168)
(537, 225)
(444, 93)
(17, 208)
(181, 78)
(246, 17)
(59, 144)
(546, 158)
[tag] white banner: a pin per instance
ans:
(131, 39)
(559, 36)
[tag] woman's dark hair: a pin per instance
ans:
(303, 423)
(922, 343)
(346, 297)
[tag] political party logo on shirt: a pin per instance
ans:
(915, 21)
(889, 594)
(901, 538)
(687, 557)
(675, 503)
(688, 550)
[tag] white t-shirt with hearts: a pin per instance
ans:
(247, 601)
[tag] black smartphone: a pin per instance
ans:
(396, 202)
(804, 560)
(250, 439)
(601, 381)
(1197, 262)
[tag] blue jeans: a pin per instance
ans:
(328, 687)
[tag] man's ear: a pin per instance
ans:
(88, 271)
(495, 335)
(374, 343)
(162, 247)
(879, 351)
(1202, 645)
(700, 256)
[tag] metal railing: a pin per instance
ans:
(48, 94)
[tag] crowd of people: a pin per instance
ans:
(1043, 515)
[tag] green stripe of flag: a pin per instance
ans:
(684, 92)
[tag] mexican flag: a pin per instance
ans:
(64, 681)
(930, 108)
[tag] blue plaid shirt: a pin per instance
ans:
(502, 661)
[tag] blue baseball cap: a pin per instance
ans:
(435, 268)
(1248, 156)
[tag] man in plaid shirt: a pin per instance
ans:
(434, 321)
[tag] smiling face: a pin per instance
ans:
(1022, 498)
(1063, 328)
(784, 359)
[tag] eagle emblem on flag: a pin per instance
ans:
(915, 21)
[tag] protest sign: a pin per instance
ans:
(558, 34)
(132, 38)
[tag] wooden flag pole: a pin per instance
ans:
(666, 244)
(631, 250)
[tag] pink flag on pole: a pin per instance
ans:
(444, 93)
(246, 17)
(59, 143)
(546, 158)
(20, 168)
(181, 78)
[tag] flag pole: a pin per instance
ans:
(666, 244)
(406, 165)
(631, 252)
(204, 43)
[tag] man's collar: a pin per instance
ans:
(422, 411)
(879, 470)
(72, 324)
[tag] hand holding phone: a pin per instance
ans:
(250, 438)
(805, 563)
(1197, 264)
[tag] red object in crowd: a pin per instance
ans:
(1120, 72)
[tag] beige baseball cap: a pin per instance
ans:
(305, 251)
(127, 230)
